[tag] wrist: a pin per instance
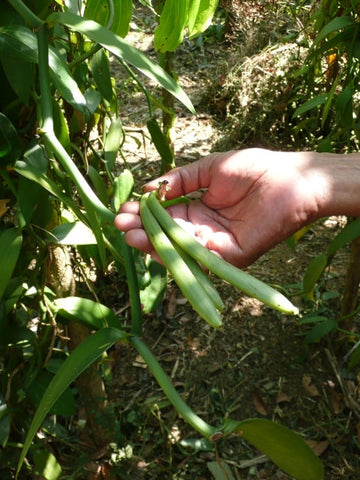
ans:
(335, 179)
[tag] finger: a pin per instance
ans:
(130, 207)
(138, 239)
(187, 179)
(127, 221)
(226, 245)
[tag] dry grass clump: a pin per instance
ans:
(255, 99)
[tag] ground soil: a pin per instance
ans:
(257, 364)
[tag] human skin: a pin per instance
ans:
(253, 199)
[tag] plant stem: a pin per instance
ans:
(47, 131)
(185, 411)
(90, 199)
(133, 287)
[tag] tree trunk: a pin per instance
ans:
(351, 289)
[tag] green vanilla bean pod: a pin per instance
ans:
(183, 276)
(199, 273)
(243, 281)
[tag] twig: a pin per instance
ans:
(355, 407)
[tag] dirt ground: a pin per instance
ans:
(257, 364)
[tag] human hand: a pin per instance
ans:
(253, 200)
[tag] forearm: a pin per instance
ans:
(336, 180)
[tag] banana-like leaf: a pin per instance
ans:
(284, 447)
(171, 29)
(120, 48)
(201, 13)
(82, 357)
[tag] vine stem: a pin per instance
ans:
(50, 139)
(89, 197)
(180, 405)
(26, 13)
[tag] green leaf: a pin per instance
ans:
(123, 187)
(16, 70)
(72, 233)
(355, 357)
(100, 70)
(161, 144)
(93, 99)
(220, 470)
(46, 464)
(114, 139)
(312, 319)
(60, 126)
(99, 184)
(4, 422)
(333, 26)
(30, 196)
(152, 294)
(284, 447)
(344, 107)
(86, 311)
(10, 246)
(120, 48)
(171, 29)
(314, 271)
(65, 405)
(82, 357)
(201, 13)
(98, 10)
(10, 144)
(34, 167)
(310, 104)
(320, 330)
(21, 43)
(347, 235)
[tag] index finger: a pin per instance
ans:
(186, 179)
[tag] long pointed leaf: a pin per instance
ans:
(10, 245)
(120, 48)
(347, 235)
(284, 447)
(82, 357)
(20, 43)
(200, 15)
(86, 311)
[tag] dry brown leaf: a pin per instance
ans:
(171, 306)
(283, 397)
(318, 447)
(309, 388)
(260, 405)
(336, 402)
(3, 207)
